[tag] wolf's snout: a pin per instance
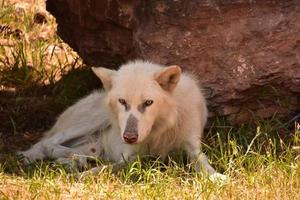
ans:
(130, 134)
(130, 138)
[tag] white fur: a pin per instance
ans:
(175, 120)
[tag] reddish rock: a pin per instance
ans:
(245, 53)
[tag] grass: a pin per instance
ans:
(262, 160)
(261, 164)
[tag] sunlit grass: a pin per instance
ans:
(259, 168)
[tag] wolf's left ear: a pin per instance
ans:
(168, 77)
(105, 76)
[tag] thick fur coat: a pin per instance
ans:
(144, 109)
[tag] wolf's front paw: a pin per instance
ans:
(218, 178)
(71, 164)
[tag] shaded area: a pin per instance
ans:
(237, 48)
(26, 113)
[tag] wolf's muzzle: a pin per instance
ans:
(130, 134)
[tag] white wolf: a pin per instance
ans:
(145, 109)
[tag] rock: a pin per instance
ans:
(245, 53)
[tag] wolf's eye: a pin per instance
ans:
(122, 101)
(148, 102)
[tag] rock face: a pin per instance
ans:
(245, 53)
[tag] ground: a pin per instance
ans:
(38, 73)
(40, 76)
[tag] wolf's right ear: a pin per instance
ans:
(105, 76)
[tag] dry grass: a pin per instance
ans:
(268, 183)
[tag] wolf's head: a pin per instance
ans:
(139, 95)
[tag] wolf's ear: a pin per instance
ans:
(168, 77)
(105, 76)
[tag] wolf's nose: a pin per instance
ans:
(130, 137)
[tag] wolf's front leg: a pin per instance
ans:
(197, 157)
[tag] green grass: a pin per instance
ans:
(261, 164)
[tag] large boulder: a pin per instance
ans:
(245, 53)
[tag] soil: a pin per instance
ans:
(23, 117)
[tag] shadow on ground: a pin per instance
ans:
(26, 112)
